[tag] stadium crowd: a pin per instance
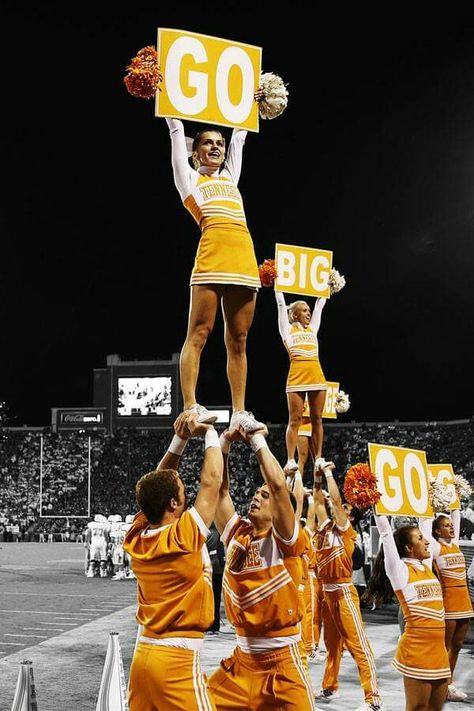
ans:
(117, 461)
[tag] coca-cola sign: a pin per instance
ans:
(82, 418)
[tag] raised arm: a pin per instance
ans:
(225, 507)
(283, 323)
(183, 174)
(211, 473)
(283, 516)
(456, 519)
(172, 456)
(316, 315)
(395, 568)
(426, 527)
(298, 492)
(311, 518)
(233, 160)
(340, 515)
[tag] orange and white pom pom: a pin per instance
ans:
(275, 96)
(462, 486)
(439, 495)
(143, 74)
(267, 272)
(336, 281)
(342, 403)
(360, 487)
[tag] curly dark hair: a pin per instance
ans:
(155, 490)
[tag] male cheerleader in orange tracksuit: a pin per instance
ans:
(261, 580)
(166, 543)
(335, 540)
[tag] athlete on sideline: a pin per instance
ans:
(261, 580)
(335, 540)
(173, 569)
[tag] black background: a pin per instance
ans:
(373, 159)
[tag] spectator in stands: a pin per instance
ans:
(115, 459)
(466, 531)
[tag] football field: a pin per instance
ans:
(51, 614)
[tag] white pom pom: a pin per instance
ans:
(342, 402)
(440, 496)
(275, 98)
(462, 486)
(336, 281)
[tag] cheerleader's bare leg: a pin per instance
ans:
(204, 303)
(302, 445)
(295, 413)
(316, 399)
(456, 631)
(238, 308)
(421, 695)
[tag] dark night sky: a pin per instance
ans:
(97, 249)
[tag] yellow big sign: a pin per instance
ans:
(329, 411)
(208, 79)
(302, 270)
(402, 479)
(444, 474)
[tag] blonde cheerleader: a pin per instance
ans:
(225, 269)
(443, 535)
(299, 329)
(403, 567)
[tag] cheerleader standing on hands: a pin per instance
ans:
(299, 329)
(403, 566)
(443, 535)
(225, 270)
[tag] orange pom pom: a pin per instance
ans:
(360, 487)
(143, 74)
(267, 272)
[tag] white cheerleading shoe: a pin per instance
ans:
(204, 416)
(246, 422)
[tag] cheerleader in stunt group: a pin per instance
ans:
(299, 330)
(281, 578)
(225, 270)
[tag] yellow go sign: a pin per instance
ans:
(444, 474)
(402, 480)
(329, 411)
(208, 79)
(302, 270)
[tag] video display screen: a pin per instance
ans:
(140, 397)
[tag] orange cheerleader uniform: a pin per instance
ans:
(307, 631)
(305, 429)
(342, 617)
(451, 566)
(175, 608)
(225, 254)
(421, 652)
(305, 369)
(263, 601)
(301, 342)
